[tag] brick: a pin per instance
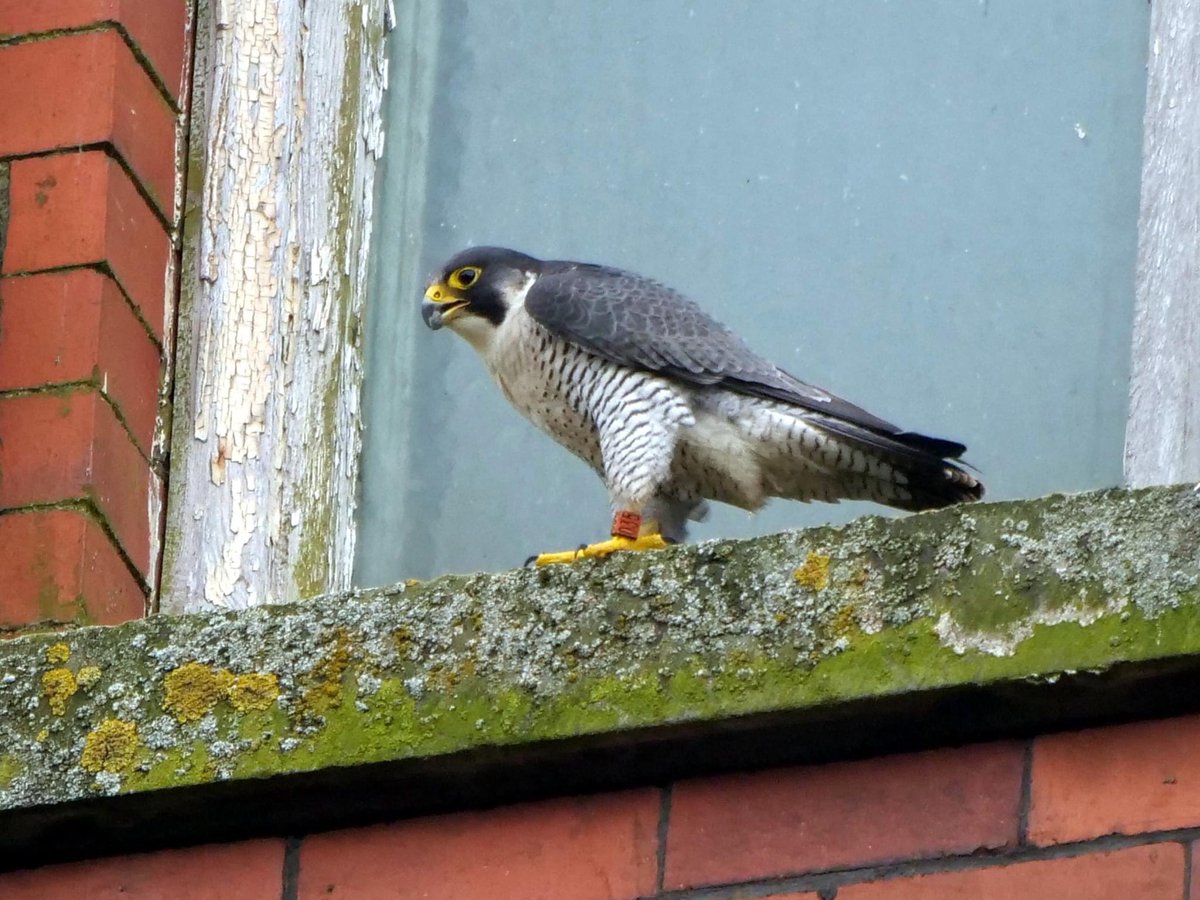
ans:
(159, 29)
(582, 847)
(1126, 779)
(71, 326)
(88, 89)
(1154, 872)
(252, 870)
(812, 818)
(79, 209)
(59, 567)
(70, 446)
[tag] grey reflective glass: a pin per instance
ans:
(929, 208)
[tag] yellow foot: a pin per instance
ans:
(603, 549)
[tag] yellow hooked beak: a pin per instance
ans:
(441, 305)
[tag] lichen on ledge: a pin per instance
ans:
(1014, 593)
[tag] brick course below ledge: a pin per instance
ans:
(627, 844)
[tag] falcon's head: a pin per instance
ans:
(474, 291)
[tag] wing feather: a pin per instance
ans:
(641, 323)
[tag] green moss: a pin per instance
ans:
(179, 766)
(312, 562)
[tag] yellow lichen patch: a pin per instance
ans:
(192, 690)
(254, 690)
(324, 680)
(814, 574)
(844, 622)
(58, 653)
(110, 747)
(858, 580)
(58, 686)
(42, 735)
(441, 678)
(403, 638)
(446, 678)
(88, 676)
(10, 768)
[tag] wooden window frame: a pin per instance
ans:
(266, 437)
(1162, 435)
(267, 432)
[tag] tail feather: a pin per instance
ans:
(937, 446)
(932, 474)
(946, 485)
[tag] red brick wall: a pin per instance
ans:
(91, 94)
(1105, 814)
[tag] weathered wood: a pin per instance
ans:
(1162, 440)
(266, 428)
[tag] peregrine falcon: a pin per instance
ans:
(668, 406)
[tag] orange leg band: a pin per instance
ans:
(626, 525)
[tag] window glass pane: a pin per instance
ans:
(927, 208)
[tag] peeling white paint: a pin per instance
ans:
(264, 456)
(320, 263)
(1162, 438)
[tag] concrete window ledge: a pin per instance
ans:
(993, 620)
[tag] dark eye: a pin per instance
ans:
(466, 276)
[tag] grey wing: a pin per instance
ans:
(638, 322)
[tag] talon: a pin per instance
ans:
(530, 561)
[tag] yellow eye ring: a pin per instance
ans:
(464, 277)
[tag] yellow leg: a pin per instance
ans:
(603, 549)
(628, 533)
